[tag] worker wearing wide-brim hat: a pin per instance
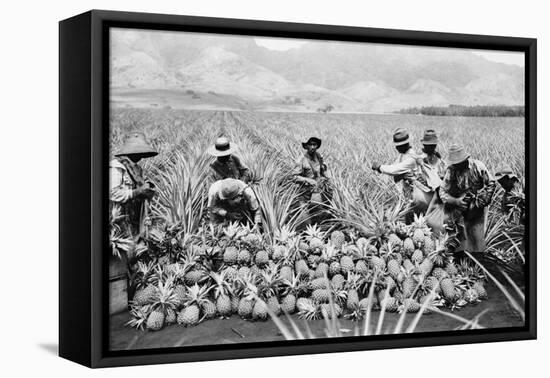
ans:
(405, 170)
(466, 190)
(128, 186)
(233, 200)
(431, 155)
(310, 172)
(227, 164)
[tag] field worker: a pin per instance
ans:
(406, 170)
(232, 200)
(430, 155)
(513, 198)
(466, 191)
(227, 165)
(128, 187)
(310, 172)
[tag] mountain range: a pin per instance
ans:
(207, 71)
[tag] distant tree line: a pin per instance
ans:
(468, 111)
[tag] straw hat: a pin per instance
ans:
(222, 147)
(457, 154)
(136, 144)
(503, 171)
(400, 137)
(229, 188)
(314, 140)
(430, 137)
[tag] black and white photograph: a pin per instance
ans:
(267, 189)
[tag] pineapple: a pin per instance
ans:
(243, 257)
(334, 268)
(262, 258)
(230, 255)
(352, 300)
(301, 267)
(145, 295)
(245, 308)
(170, 317)
(417, 256)
(408, 266)
(234, 304)
(394, 269)
(180, 292)
(321, 270)
(395, 242)
(288, 303)
(439, 273)
(337, 239)
(243, 271)
(189, 315)
(429, 245)
(361, 267)
(195, 276)
(408, 286)
(321, 295)
(155, 321)
(451, 269)
(319, 283)
(259, 311)
(409, 305)
(222, 293)
(315, 237)
(208, 309)
(390, 304)
(138, 317)
(274, 305)
(482, 293)
(279, 252)
(418, 238)
(408, 246)
(286, 273)
(448, 289)
(307, 309)
(337, 282)
(346, 264)
(426, 266)
(377, 263)
(471, 295)
(362, 243)
(330, 311)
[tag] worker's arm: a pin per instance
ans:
(244, 172)
(118, 192)
(253, 205)
(407, 165)
(214, 205)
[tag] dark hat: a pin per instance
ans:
(430, 137)
(222, 147)
(505, 170)
(314, 140)
(457, 154)
(136, 144)
(400, 137)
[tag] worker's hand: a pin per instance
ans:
(222, 212)
(144, 191)
(310, 181)
(460, 203)
(376, 166)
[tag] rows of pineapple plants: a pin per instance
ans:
(189, 272)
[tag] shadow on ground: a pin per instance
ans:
(51, 348)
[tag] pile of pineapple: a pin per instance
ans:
(314, 274)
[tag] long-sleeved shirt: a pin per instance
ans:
(436, 163)
(457, 183)
(232, 168)
(236, 209)
(121, 185)
(405, 164)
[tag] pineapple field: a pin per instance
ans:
(359, 271)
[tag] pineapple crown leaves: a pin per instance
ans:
(197, 295)
(138, 317)
(231, 230)
(313, 231)
(165, 297)
(284, 234)
(222, 284)
(309, 310)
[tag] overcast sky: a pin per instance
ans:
(507, 57)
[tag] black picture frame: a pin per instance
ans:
(83, 156)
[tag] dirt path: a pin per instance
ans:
(222, 331)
